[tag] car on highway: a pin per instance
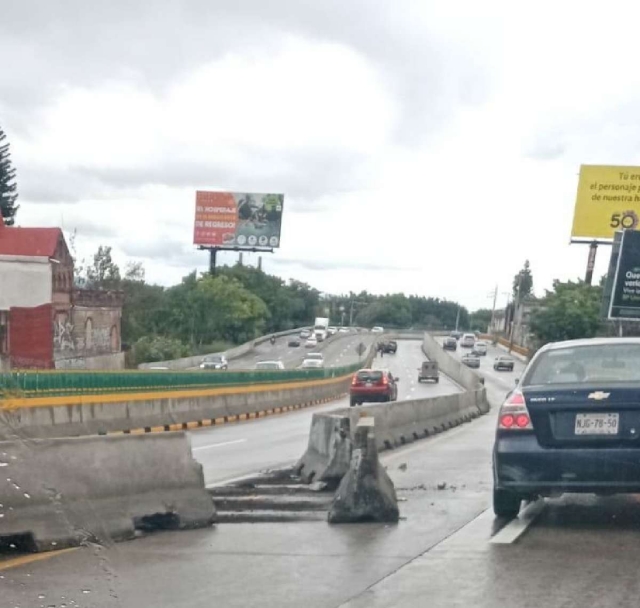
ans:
(293, 342)
(304, 334)
(450, 343)
(467, 340)
(311, 342)
(389, 347)
(215, 362)
(456, 334)
(377, 330)
(313, 361)
(471, 360)
(479, 349)
(372, 385)
(572, 424)
(503, 362)
(344, 330)
(332, 331)
(270, 365)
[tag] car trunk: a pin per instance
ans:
(577, 417)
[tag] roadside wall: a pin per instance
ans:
(111, 362)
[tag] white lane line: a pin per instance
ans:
(217, 445)
(518, 526)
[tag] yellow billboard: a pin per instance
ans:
(608, 200)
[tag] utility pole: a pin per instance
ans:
(515, 310)
(493, 310)
(458, 318)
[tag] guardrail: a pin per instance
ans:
(55, 383)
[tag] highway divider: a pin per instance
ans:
(396, 423)
(59, 493)
(164, 406)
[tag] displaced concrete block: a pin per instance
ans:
(328, 452)
(58, 493)
(366, 493)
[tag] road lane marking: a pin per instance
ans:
(30, 559)
(217, 445)
(518, 526)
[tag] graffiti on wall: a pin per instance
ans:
(63, 336)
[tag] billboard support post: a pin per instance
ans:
(591, 261)
(212, 261)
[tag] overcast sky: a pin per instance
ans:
(423, 147)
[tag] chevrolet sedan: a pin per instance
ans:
(572, 424)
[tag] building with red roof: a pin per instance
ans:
(39, 306)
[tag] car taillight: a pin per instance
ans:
(514, 415)
(354, 381)
(384, 380)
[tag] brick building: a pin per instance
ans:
(44, 321)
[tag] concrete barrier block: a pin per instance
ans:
(63, 492)
(366, 493)
(329, 450)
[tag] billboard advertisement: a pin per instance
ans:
(625, 294)
(608, 199)
(238, 220)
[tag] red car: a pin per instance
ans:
(373, 385)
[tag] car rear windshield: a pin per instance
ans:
(370, 376)
(317, 356)
(598, 363)
(268, 365)
(213, 359)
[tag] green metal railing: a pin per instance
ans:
(43, 383)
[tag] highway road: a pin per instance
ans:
(339, 349)
(234, 450)
(447, 550)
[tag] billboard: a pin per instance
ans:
(625, 294)
(608, 199)
(239, 220)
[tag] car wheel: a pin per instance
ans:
(505, 503)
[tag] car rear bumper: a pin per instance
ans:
(365, 395)
(522, 465)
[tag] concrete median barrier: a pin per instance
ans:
(366, 493)
(329, 450)
(396, 424)
(58, 493)
(450, 366)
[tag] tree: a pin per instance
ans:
(104, 273)
(523, 282)
(479, 320)
(570, 311)
(134, 272)
(8, 186)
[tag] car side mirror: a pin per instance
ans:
(397, 379)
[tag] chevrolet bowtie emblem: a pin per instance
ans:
(599, 395)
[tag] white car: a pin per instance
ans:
(468, 341)
(215, 362)
(344, 330)
(314, 356)
(312, 364)
(377, 330)
(332, 331)
(311, 342)
(479, 348)
(270, 365)
(304, 334)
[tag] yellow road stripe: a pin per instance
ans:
(30, 559)
(29, 402)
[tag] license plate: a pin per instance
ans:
(368, 384)
(597, 424)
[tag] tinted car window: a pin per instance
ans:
(372, 376)
(589, 364)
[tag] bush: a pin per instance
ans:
(157, 348)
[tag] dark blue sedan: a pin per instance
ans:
(571, 425)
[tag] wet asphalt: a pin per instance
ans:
(578, 551)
